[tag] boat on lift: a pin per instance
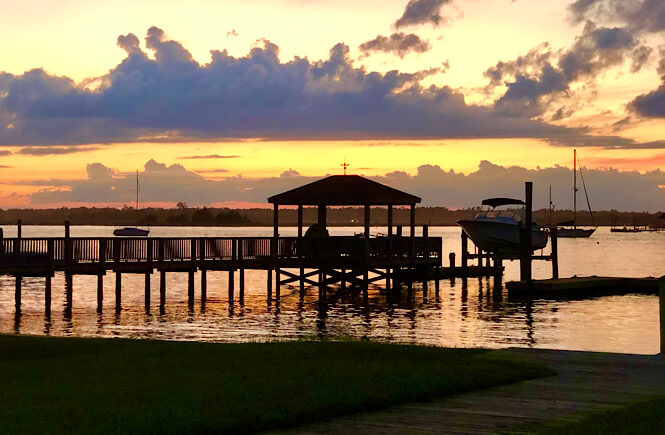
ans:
(498, 231)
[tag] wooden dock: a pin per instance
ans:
(581, 287)
(352, 260)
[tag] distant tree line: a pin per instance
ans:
(343, 216)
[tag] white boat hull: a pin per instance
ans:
(500, 237)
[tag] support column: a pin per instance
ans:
(555, 252)
(162, 288)
(525, 257)
(661, 292)
(190, 287)
(69, 288)
(269, 284)
(231, 284)
(100, 292)
(204, 285)
(147, 292)
(47, 294)
(17, 294)
(465, 253)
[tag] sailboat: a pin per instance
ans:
(575, 232)
(132, 231)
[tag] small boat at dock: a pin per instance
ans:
(498, 231)
(132, 231)
(575, 232)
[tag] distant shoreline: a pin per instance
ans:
(336, 217)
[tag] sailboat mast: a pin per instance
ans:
(137, 189)
(575, 188)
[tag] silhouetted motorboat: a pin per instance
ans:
(498, 231)
(131, 232)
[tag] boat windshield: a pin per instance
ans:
(493, 214)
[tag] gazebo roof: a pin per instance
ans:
(344, 190)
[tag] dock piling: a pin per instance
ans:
(47, 294)
(162, 286)
(204, 286)
(118, 290)
(190, 287)
(661, 293)
(555, 252)
(147, 291)
(100, 292)
(17, 294)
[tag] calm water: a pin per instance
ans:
(464, 315)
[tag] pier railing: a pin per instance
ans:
(199, 249)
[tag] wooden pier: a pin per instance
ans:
(291, 259)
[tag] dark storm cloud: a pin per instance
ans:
(49, 151)
(638, 15)
(652, 104)
(537, 80)
(422, 12)
(608, 188)
(400, 44)
(171, 97)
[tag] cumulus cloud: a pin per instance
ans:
(541, 78)
(652, 104)
(639, 15)
(608, 188)
(400, 44)
(169, 96)
(422, 12)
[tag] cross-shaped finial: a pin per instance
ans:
(345, 165)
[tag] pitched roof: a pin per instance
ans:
(344, 190)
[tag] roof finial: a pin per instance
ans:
(345, 165)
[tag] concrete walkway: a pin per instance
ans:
(585, 381)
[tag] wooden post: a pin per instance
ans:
(269, 284)
(69, 289)
(17, 294)
(367, 216)
(436, 280)
(451, 259)
(147, 291)
(278, 279)
(525, 257)
(465, 253)
(162, 285)
(47, 294)
(190, 287)
(241, 271)
(18, 229)
(100, 291)
(118, 290)
(204, 285)
(555, 252)
(232, 273)
(661, 292)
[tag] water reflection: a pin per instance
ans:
(463, 312)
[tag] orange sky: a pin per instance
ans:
(77, 39)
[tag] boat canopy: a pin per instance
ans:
(497, 202)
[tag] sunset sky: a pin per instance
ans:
(226, 103)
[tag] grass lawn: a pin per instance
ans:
(77, 385)
(641, 417)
